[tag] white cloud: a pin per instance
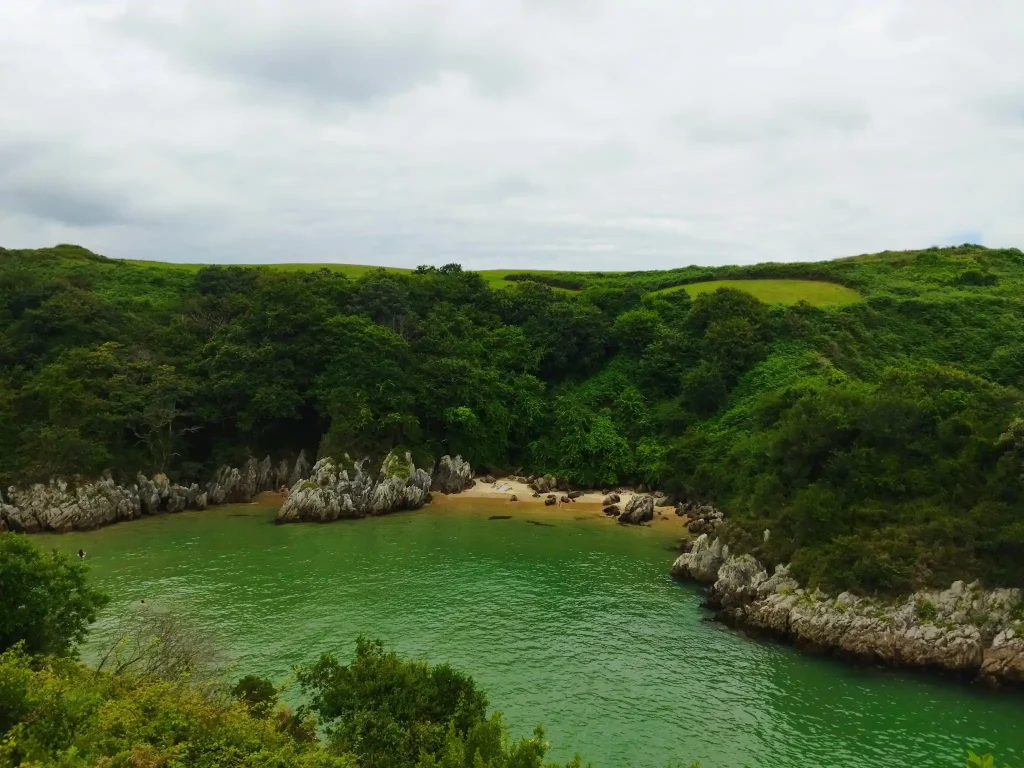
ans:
(573, 134)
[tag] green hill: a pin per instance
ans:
(868, 410)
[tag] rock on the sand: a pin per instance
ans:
(453, 475)
(640, 509)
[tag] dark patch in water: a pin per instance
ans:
(546, 525)
(240, 514)
(500, 517)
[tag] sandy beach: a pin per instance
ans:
(488, 498)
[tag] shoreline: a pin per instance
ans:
(964, 632)
(589, 504)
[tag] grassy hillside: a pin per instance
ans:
(875, 426)
(817, 293)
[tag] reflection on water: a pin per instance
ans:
(575, 625)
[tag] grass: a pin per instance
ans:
(495, 277)
(815, 292)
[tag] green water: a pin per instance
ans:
(575, 625)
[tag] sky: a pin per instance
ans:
(569, 134)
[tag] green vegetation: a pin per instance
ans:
(45, 603)
(881, 441)
(817, 293)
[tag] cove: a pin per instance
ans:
(574, 624)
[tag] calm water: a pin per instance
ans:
(575, 625)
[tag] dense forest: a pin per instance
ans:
(881, 441)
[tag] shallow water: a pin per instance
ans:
(575, 625)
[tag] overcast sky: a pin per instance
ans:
(575, 134)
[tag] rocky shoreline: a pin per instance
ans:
(974, 633)
(322, 493)
(334, 492)
(79, 505)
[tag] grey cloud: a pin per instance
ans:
(334, 61)
(1005, 108)
(75, 208)
(784, 120)
(31, 185)
(501, 190)
(569, 134)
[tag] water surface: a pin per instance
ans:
(575, 625)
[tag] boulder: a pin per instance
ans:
(544, 484)
(611, 510)
(549, 501)
(702, 562)
(575, 494)
(1003, 661)
(639, 509)
(513, 497)
(452, 475)
(487, 480)
(332, 492)
(611, 498)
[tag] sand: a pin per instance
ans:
(488, 499)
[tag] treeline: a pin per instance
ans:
(880, 443)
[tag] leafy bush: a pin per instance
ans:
(45, 603)
(395, 713)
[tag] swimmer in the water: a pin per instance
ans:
(81, 554)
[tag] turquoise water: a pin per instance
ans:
(574, 624)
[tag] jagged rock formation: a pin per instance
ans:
(159, 495)
(639, 509)
(332, 492)
(963, 629)
(452, 475)
(702, 562)
(61, 505)
(58, 506)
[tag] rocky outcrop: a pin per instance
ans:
(964, 629)
(639, 509)
(333, 492)
(300, 471)
(63, 505)
(702, 562)
(452, 475)
(159, 495)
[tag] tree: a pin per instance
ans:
(45, 602)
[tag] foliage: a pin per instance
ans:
(878, 439)
(393, 713)
(45, 603)
(55, 712)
